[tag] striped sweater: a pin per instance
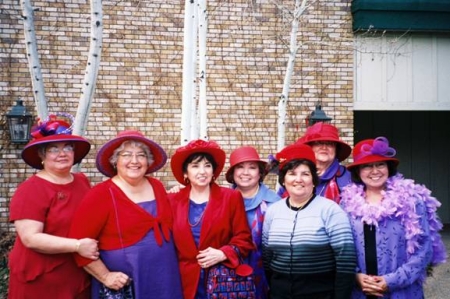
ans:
(310, 251)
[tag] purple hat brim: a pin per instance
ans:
(30, 153)
(106, 151)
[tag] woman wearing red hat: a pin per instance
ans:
(42, 208)
(209, 220)
(329, 151)
(395, 225)
(246, 174)
(130, 216)
(308, 248)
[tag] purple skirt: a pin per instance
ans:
(154, 269)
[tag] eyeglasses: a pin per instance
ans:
(378, 166)
(56, 150)
(324, 143)
(128, 156)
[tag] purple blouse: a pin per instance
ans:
(154, 269)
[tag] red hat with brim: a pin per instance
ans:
(107, 150)
(325, 132)
(240, 155)
(196, 146)
(372, 151)
(296, 151)
(30, 153)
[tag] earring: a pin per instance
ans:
(42, 162)
(187, 181)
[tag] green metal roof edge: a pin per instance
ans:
(387, 15)
(401, 5)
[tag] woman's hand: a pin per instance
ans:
(115, 280)
(175, 189)
(210, 256)
(372, 285)
(87, 248)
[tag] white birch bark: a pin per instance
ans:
(92, 68)
(298, 11)
(193, 127)
(33, 60)
(202, 37)
(189, 54)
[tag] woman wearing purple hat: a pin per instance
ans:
(246, 174)
(130, 215)
(394, 222)
(41, 210)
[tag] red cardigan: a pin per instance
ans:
(96, 218)
(224, 224)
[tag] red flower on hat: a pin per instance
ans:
(199, 144)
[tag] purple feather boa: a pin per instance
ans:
(397, 203)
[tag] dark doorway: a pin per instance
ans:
(422, 141)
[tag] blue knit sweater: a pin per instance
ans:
(310, 251)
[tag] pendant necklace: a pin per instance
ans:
(199, 218)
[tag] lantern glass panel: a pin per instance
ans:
(19, 128)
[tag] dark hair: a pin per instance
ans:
(294, 164)
(356, 178)
(262, 171)
(196, 157)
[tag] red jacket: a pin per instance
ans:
(96, 218)
(224, 224)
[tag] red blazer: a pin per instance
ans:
(224, 224)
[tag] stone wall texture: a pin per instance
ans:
(139, 85)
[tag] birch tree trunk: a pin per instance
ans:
(189, 59)
(193, 125)
(293, 48)
(92, 68)
(33, 60)
(202, 102)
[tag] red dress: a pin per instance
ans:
(34, 274)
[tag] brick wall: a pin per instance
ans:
(140, 78)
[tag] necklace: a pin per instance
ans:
(200, 218)
(298, 208)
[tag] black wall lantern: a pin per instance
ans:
(318, 115)
(19, 123)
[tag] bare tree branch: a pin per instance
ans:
(33, 59)
(92, 68)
